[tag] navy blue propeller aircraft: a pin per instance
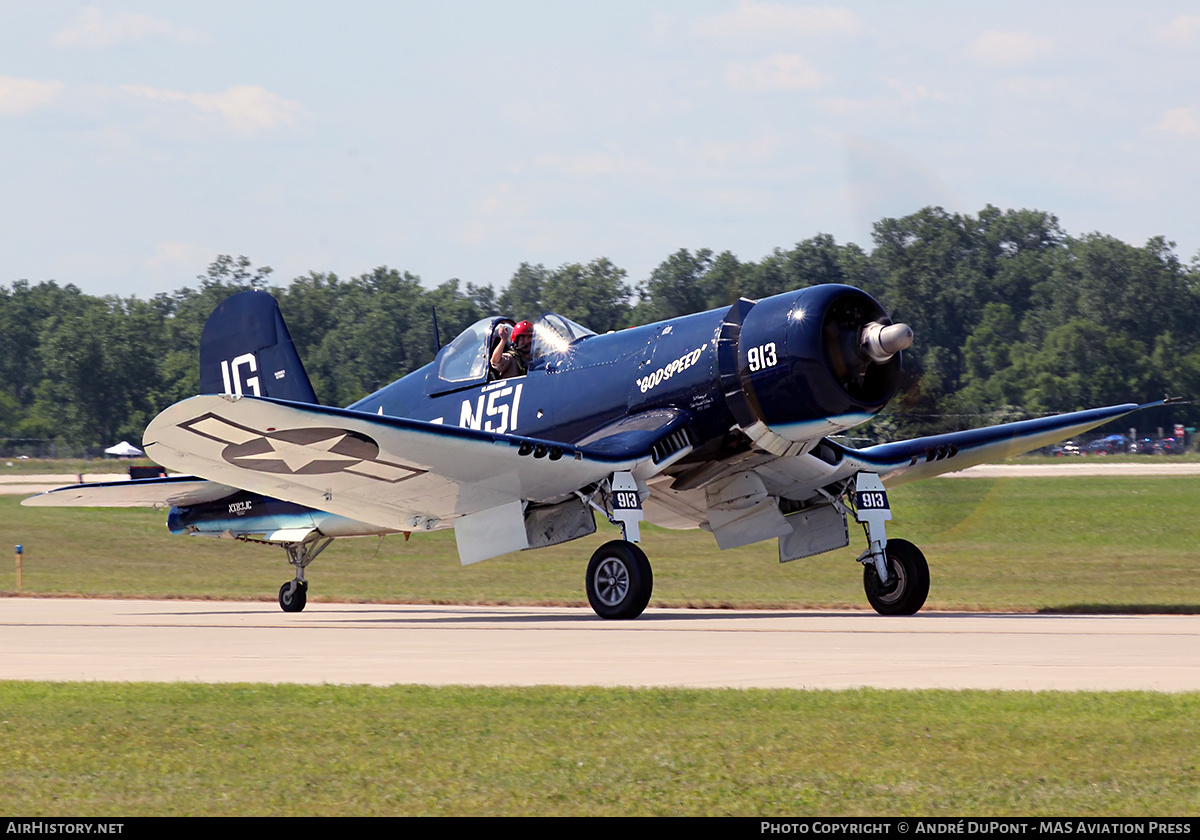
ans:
(721, 420)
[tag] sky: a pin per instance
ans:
(139, 140)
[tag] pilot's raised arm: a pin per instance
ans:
(511, 356)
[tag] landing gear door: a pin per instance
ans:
(814, 531)
(872, 509)
(627, 505)
(871, 499)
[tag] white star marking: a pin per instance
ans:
(297, 456)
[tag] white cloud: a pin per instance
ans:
(247, 108)
(1006, 49)
(95, 28)
(1181, 121)
(20, 95)
(779, 72)
(1184, 31)
(758, 21)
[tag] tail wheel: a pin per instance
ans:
(908, 580)
(619, 580)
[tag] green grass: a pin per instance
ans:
(1069, 544)
(134, 749)
(69, 466)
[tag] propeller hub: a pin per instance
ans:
(882, 341)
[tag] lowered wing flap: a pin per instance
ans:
(391, 472)
(175, 490)
(911, 460)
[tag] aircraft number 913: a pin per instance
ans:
(762, 357)
(626, 500)
(872, 500)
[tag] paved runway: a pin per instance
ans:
(68, 639)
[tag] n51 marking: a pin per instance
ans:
(498, 406)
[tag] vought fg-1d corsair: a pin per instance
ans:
(516, 435)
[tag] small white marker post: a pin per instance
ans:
(20, 551)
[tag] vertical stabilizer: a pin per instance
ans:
(246, 349)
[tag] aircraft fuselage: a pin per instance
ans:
(768, 363)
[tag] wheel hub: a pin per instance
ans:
(613, 582)
(893, 590)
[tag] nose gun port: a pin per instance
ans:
(880, 342)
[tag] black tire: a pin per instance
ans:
(293, 601)
(619, 580)
(908, 582)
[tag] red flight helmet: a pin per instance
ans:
(522, 329)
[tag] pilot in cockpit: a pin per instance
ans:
(511, 354)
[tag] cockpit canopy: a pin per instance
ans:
(465, 360)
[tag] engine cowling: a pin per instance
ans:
(812, 363)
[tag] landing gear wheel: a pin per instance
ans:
(290, 601)
(908, 580)
(619, 580)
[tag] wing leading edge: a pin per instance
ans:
(912, 460)
(165, 492)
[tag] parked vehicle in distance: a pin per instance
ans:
(1068, 448)
(1168, 446)
(1110, 445)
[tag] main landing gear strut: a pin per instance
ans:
(619, 579)
(895, 573)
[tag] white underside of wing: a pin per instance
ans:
(392, 473)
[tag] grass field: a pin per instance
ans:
(1096, 544)
(126, 750)
(1106, 544)
(69, 466)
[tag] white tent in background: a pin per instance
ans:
(124, 449)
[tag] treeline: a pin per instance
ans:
(1013, 318)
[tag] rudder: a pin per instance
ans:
(246, 348)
